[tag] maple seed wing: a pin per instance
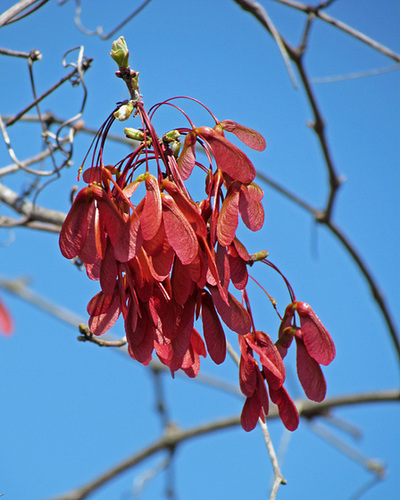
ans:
(150, 218)
(187, 158)
(228, 218)
(180, 233)
(229, 158)
(247, 135)
(213, 332)
(310, 374)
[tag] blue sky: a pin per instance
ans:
(71, 410)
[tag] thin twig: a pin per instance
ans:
(85, 66)
(324, 216)
(175, 436)
(354, 76)
(17, 8)
(172, 438)
(278, 477)
(99, 30)
(261, 14)
(372, 465)
(316, 10)
(28, 209)
(354, 254)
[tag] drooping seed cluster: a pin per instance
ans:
(165, 260)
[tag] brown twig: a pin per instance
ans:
(28, 209)
(10, 14)
(85, 66)
(324, 216)
(176, 436)
(320, 14)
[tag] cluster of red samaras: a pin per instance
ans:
(164, 260)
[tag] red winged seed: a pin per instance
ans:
(212, 329)
(248, 376)
(310, 374)
(255, 406)
(250, 413)
(222, 262)
(132, 315)
(75, 228)
(269, 355)
(130, 238)
(287, 409)
(317, 340)
(187, 158)
(93, 270)
(150, 218)
(237, 269)
(157, 244)
(184, 325)
(160, 264)
(102, 322)
(189, 209)
(109, 214)
(180, 233)
(241, 250)
(181, 282)
(108, 271)
(198, 344)
(251, 210)
(233, 315)
(141, 351)
(99, 304)
(247, 135)
(228, 217)
(95, 243)
(229, 158)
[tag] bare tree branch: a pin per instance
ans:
(17, 8)
(325, 216)
(28, 209)
(318, 12)
(175, 436)
(85, 66)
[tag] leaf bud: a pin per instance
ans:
(120, 53)
(124, 111)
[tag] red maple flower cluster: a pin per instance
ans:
(163, 260)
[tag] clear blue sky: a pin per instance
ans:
(71, 410)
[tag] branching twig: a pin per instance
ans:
(85, 66)
(11, 14)
(99, 30)
(324, 216)
(175, 436)
(318, 12)
(29, 210)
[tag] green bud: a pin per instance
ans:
(133, 133)
(175, 148)
(263, 254)
(124, 112)
(120, 53)
(171, 136)
(135, 80)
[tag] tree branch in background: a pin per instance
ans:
(175, 436)
(11, 14)
(324, 216)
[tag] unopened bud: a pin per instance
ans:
(133, 133)
(256, 257)
(171, 136)
(124, 112)
(120, 53)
